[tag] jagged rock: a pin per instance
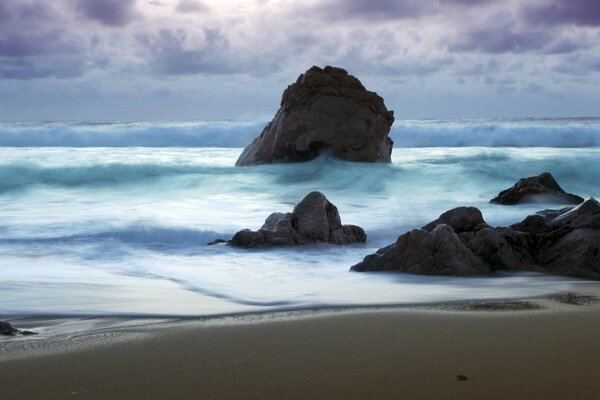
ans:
(326, 110)
(439, 252)
(314, 219)
(564, 242)
(7, 329)
(536, 189)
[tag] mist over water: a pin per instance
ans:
(123, 229)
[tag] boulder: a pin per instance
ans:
(325, 110)
(6, 329)
(563, 242)
(536, 189)
(439, 252)
(314, 219)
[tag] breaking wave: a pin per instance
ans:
(570, 132)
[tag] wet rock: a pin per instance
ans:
(216, 241)
(461, 219)
(314, 219)
(439, 252)
(563, 242)
(7, 329)
(325, 110)
(536, 189)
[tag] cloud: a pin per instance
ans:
(21, 69)
(191, 6)
(557, 12)
(108, 12)
(169, 55)
(501, 39)
(369, 9)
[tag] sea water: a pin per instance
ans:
(112, 218)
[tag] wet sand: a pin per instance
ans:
(542, 349)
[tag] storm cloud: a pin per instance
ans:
(428, 51)
(108, 12)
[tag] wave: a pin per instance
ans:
(20, 175)
(129, 134)
(142, 235)
(575, 132)
(571, 132)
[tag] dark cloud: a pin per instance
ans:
(169, 57)
(191, 6)
(501, 39)
(16, 45)
(557, 12)
(108, 12)
(371, 9)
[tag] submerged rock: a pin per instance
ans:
(536, 189)
(326, 110)
(564, 242)
(314, 219)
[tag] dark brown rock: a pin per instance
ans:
(314, 219)
(564, 242)
(325, 110)
(536, 189)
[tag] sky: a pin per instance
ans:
(231, 59)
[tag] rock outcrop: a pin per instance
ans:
(326, 110)
(563, 242)
(7, 329)
(536, 189)
(314, 219)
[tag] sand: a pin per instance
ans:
(517, 350)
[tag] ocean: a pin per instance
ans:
(113, 217)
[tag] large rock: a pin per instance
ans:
(536, 189)
(326, 110)
(564, 242)
(439, 252)
(6, 329)
(314, 219)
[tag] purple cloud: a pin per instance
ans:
(191, 6)
(501, 39)
(108, 12)
(557, 12)
(370, 9)
(169, 57)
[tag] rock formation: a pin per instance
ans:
(314, 219)
(326, 110)
(536, 189)
(563, 242)
(7, 329)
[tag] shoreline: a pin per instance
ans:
(542, 348)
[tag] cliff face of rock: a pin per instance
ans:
(325, 110)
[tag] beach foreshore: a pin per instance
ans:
(516, 349)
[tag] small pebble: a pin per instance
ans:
(461, 378)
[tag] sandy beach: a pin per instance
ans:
(534, 349)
